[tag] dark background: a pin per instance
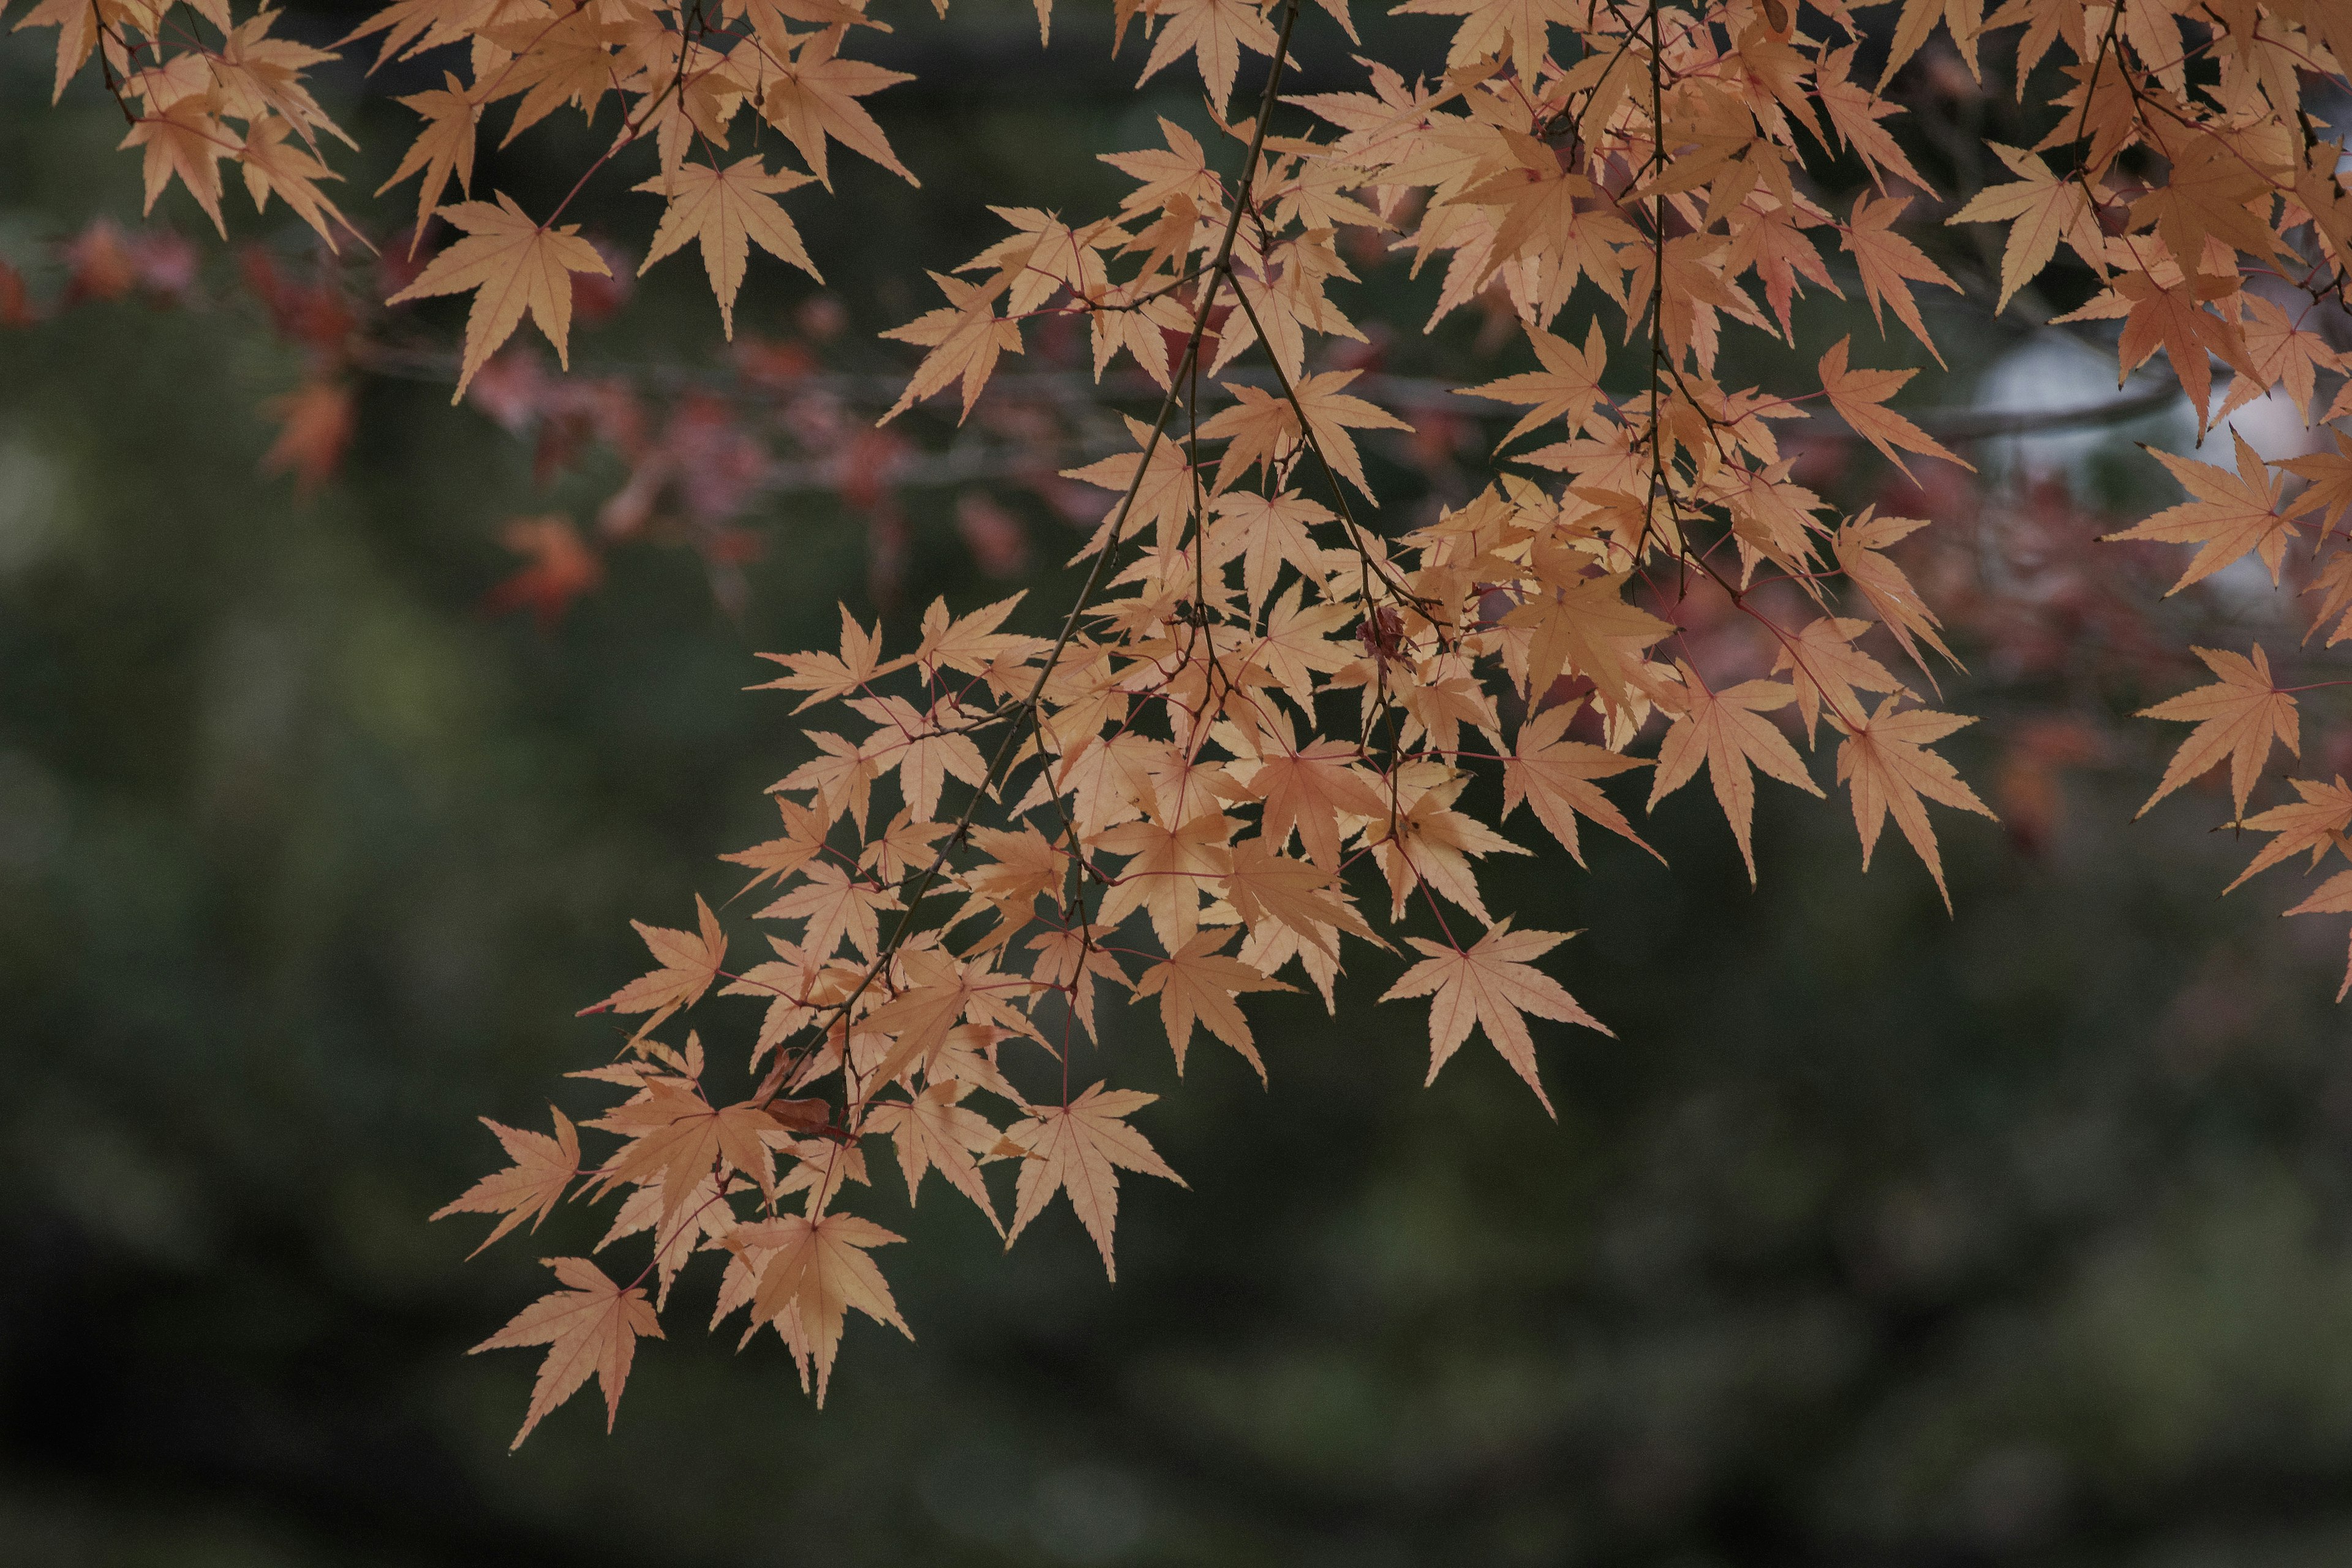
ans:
(1876, 1237)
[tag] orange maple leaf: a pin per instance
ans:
(728, 211)
(2333, 583)
(1430, 844)
(569, 60)
(559, 567)
(1829, 668)
(1887, 767)
(1307, 788)
(2236, 717)
(2330, 474)
(1887, 262)
(2175, 320)
(182, 140)
(1584, 623)
(1854, 112)
(1197, 983)
(2232, 514)
(677, 1138)
(1276, 532)
(933, 1131)
(1075, 1149)
(841, 775)
(814, 96)
(1857, 395)
(1727, 731)
(965, 335)
(1858, 545)
(1555, 777)
(591, 1328)
(1495, 985)
(1568, 387)
(816, 1269)
(530, 1188)
(515, 264)
(941, 992)
(1162, 501)
(2207, 192)
(77, 24)
(315, 428)
(2333, 897)
(1491, 26)
(2043, 209)
(1070, 962)
(677, 1233)
(1265, 426)
(2289, 356)
(2318, 823)
(443, 150)
(835, 904)
(1213, 31)
(1167, 872)
(273, 167)
(1266, 885)
(825, 675)
(689, 962)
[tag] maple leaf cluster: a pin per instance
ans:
(2196, 189)
(1252, 737)
(1257, 744)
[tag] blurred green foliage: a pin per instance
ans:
(1876, 1237)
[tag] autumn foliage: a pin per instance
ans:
(1271, 730)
